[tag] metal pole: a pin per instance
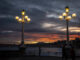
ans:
(39, 50)
(22, 42)
(67, 31)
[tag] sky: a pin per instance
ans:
(45, 25)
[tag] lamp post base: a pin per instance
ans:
(22, 49)
(66, 51)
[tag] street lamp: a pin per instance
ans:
(23, 20)
(67, 17)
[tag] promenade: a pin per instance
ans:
(35, 58)
(13, 53)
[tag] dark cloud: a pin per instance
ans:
(40, 12)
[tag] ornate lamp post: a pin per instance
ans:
(23, 20)
(67, 17)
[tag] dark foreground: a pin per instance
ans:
(34, 58)
(17, 54)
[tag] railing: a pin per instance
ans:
(34, 51)
(45, 51)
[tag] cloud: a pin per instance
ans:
(72, 29)
(6, 16)
(43, 13)
(52, 15)
(32, 38)
(47, 25)
(59, 28)
(7, 31)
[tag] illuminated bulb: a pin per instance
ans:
(68, 18)
(74, 15)
(20, 20)
(64, 14)
(26, 17)
(60, 17)
(67, 9)
(17, 17)
(23, 12)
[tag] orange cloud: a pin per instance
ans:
(32, 38)
(47, 37)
